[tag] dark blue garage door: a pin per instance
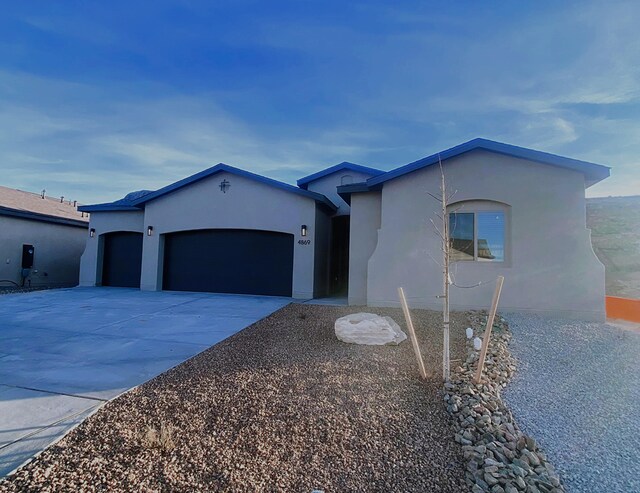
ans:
(229, 261)
(122, 259)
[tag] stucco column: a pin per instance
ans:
(89, 262)
(152, 256)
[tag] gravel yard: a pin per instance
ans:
(577, 390)
(280, 406)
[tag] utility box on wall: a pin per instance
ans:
(27, 256)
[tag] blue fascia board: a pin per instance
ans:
(593, 172)
(108, 207)
(345, 191)
(45, 218)
(221, 167)
(304, 182)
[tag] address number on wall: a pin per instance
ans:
(304, 242)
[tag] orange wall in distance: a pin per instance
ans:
(623, 309)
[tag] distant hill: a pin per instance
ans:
(615, 234)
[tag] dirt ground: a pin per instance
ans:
(615, 234)
(280, 406)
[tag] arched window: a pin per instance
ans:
(478, 231)
(346, 180)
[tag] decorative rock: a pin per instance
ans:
(477, 343)
(368, 329)
(500, 458)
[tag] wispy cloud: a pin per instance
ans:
(103, 102)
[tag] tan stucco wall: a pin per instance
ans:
(551, 269)
(57, 250)
(365, 222)
(105, 222)
(246, 205)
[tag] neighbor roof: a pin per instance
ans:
(146, 196)
(29, 205)
(592, 172)
(304, 182)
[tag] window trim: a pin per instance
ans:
(483, 206)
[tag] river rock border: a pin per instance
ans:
(499, 457)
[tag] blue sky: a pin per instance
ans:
(101, 98)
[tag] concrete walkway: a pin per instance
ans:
(63, 353)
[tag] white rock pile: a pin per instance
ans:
(369, 329)
(500, 458)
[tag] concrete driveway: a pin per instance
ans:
(63, 353)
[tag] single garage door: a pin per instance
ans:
(122, 259)
(229, 261)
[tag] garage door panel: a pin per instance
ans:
(122, 259)
(229, 261)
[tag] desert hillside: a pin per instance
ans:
(615, 233)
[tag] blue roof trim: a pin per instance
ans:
(345, 191)
(221, 167)
(304, 182)
(593, 172)
(110, 206)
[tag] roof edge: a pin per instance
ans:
(108, 207)
(593, 172)
(345, 191)
(46, 218)
(221, 167)
(304, 182)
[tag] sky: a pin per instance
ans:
(101, 98)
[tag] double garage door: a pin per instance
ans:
(214, 260)
(229, 261)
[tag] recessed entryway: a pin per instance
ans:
(339, 256)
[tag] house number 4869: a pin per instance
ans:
(304, 242)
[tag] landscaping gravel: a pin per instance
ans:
(577, 391)
(280, 406)
(20, 289)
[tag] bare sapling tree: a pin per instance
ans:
(443, 233)
(446, 231)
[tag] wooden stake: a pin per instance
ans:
(487, 331)
(412, 333)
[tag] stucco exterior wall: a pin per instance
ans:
(327, 186)
(247, 204)
(365, 222)
(104, 222)
(57, 251)
(550, 267)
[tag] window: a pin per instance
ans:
(346, 180)
(477, 236)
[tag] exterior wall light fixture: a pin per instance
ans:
(303, 230)
(149, 230)
(92, 232)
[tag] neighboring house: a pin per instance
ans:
(516, 212)
(41, 239)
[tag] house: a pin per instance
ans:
(41, 239)
(355, 230)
